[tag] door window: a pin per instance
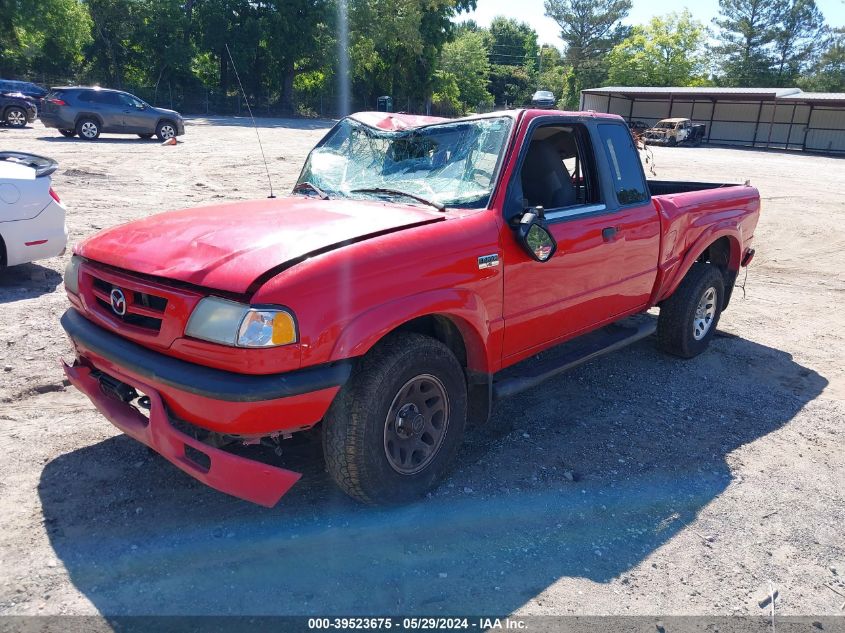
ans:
(557, 171)
(109, 98)
(129, 100)
(625, 168)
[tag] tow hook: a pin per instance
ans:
(113, 388)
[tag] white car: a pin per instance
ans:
(32, 218)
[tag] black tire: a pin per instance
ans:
(68, 133)
(15, 117)
(360, 425)
(672, 141)
(88, 129)
(166, 130)
(145, 136)
(676, 325)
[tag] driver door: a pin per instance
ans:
(135, 115)
(607, 251)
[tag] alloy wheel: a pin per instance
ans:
(16, 118)
(704, 313)
(89, 130)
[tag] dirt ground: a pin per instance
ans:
(637, 484)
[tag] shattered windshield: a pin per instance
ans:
(448, 164)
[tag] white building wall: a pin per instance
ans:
(779, 124)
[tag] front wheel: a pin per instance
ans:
(165, 131)
(67, 133)
(393, 430)
(689, 317)
(15, 117)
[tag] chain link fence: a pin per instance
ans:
(200, 100)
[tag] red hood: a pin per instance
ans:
(227, 247)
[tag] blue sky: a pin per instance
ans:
(532, 12)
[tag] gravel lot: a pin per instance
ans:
(637, 484)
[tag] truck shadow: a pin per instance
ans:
(606, 465)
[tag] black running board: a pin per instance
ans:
(530, 373)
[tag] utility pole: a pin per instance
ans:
(540, 71)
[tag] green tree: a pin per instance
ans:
(513, 52)
(236, 23)
(446, 98)
(589, 29)
(796, 39)
(668, 51)
(511, 85)
(552, 71)
(827, 74)
(298, 41)
(45, 38)
(512, 43)
(465, 60)
(747, 29)
(395, 46)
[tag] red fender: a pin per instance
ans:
(671, 276)
(464, 308)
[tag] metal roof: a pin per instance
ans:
(768, 93)
(817, 96)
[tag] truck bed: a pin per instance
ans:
(666, 187)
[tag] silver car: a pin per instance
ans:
(88, 112)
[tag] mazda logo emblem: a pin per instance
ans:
(118, 301)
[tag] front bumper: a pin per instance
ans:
(249, 406)
(238, 476)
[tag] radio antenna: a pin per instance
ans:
(246, 101)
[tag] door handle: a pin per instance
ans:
(608, 233)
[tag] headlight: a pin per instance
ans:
(232, 323)
(72, 274)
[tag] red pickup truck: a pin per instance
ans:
(421, 269)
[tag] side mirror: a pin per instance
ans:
(534, 237)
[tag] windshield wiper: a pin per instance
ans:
(300, 186)
(437, 205)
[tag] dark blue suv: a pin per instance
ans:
(87, 112)
(30, 90)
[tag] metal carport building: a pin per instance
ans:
(784, 118)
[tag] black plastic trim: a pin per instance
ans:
(199, 380)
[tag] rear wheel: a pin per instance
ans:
(67, 133)
(688, 318)
(15, 117)
(393, 430)
(88, 129)
(145, 136)
(166, 130)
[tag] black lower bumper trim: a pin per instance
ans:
(203, 381)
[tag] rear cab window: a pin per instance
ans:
(626, 172)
